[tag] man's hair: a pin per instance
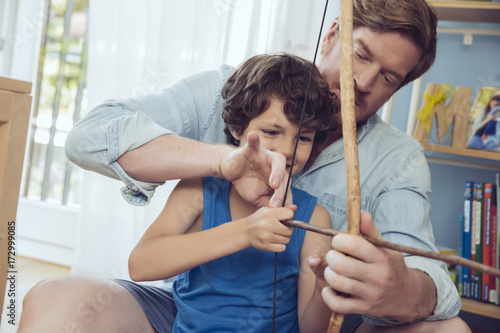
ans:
(415, 19)
(248, 92)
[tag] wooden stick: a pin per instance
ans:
(402, 248)
(347, 98)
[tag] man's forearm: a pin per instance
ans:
(173, 157)
(420, 298)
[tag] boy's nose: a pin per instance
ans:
(286, 148)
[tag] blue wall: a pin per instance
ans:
(471, 66)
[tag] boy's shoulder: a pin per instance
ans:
(300, 195)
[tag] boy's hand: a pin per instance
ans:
(264, 229)
(259, 175)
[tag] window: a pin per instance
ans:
(60, 101)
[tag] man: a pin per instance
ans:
(394, 43)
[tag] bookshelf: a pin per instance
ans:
(478, 12)
(480, 308)
(484, 154)
(467, 11)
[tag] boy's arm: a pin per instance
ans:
(314, 314)
(174, 243)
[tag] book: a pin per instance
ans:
(467, 236)
(473, 228)
(486, 238)
(460, 273)
(494, 250)
(497, 261)
(478, 239)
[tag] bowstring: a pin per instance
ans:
(295, 151)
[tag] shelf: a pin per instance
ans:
(485, 154)
(467, 11)
(480, 308)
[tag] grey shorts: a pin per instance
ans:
(157, 303)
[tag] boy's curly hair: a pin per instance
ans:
(248, 92)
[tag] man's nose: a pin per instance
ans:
(364, 79)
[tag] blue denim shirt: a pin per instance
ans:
(394, 176)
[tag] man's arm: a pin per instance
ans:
(254, 171)
(130, 140)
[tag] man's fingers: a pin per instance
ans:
(318, 264)
(253, 140)
(278, 180)
(344, 284)
(367, 227)
(346, 265)
(340, 303)
(278, 177)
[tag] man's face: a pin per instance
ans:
(380, 63)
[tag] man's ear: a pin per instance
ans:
(329, 35)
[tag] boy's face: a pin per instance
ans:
(278, 134)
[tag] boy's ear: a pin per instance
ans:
(236, 135)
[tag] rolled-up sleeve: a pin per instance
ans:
(448, 301)
(402, 214)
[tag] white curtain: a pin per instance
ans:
(140, 47)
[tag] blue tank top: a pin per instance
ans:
(235, 293)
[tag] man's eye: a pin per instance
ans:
(390, 80)
(359, 55)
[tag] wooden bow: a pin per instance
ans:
(347, 98)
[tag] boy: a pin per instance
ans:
(221, 245)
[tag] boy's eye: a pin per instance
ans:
(305, 138)
(270, 132)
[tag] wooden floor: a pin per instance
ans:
(30, 272)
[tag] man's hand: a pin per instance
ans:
(259, 175)
(317, 263)
(377, 281)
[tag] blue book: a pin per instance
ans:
(460, 279)
(466, 290)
